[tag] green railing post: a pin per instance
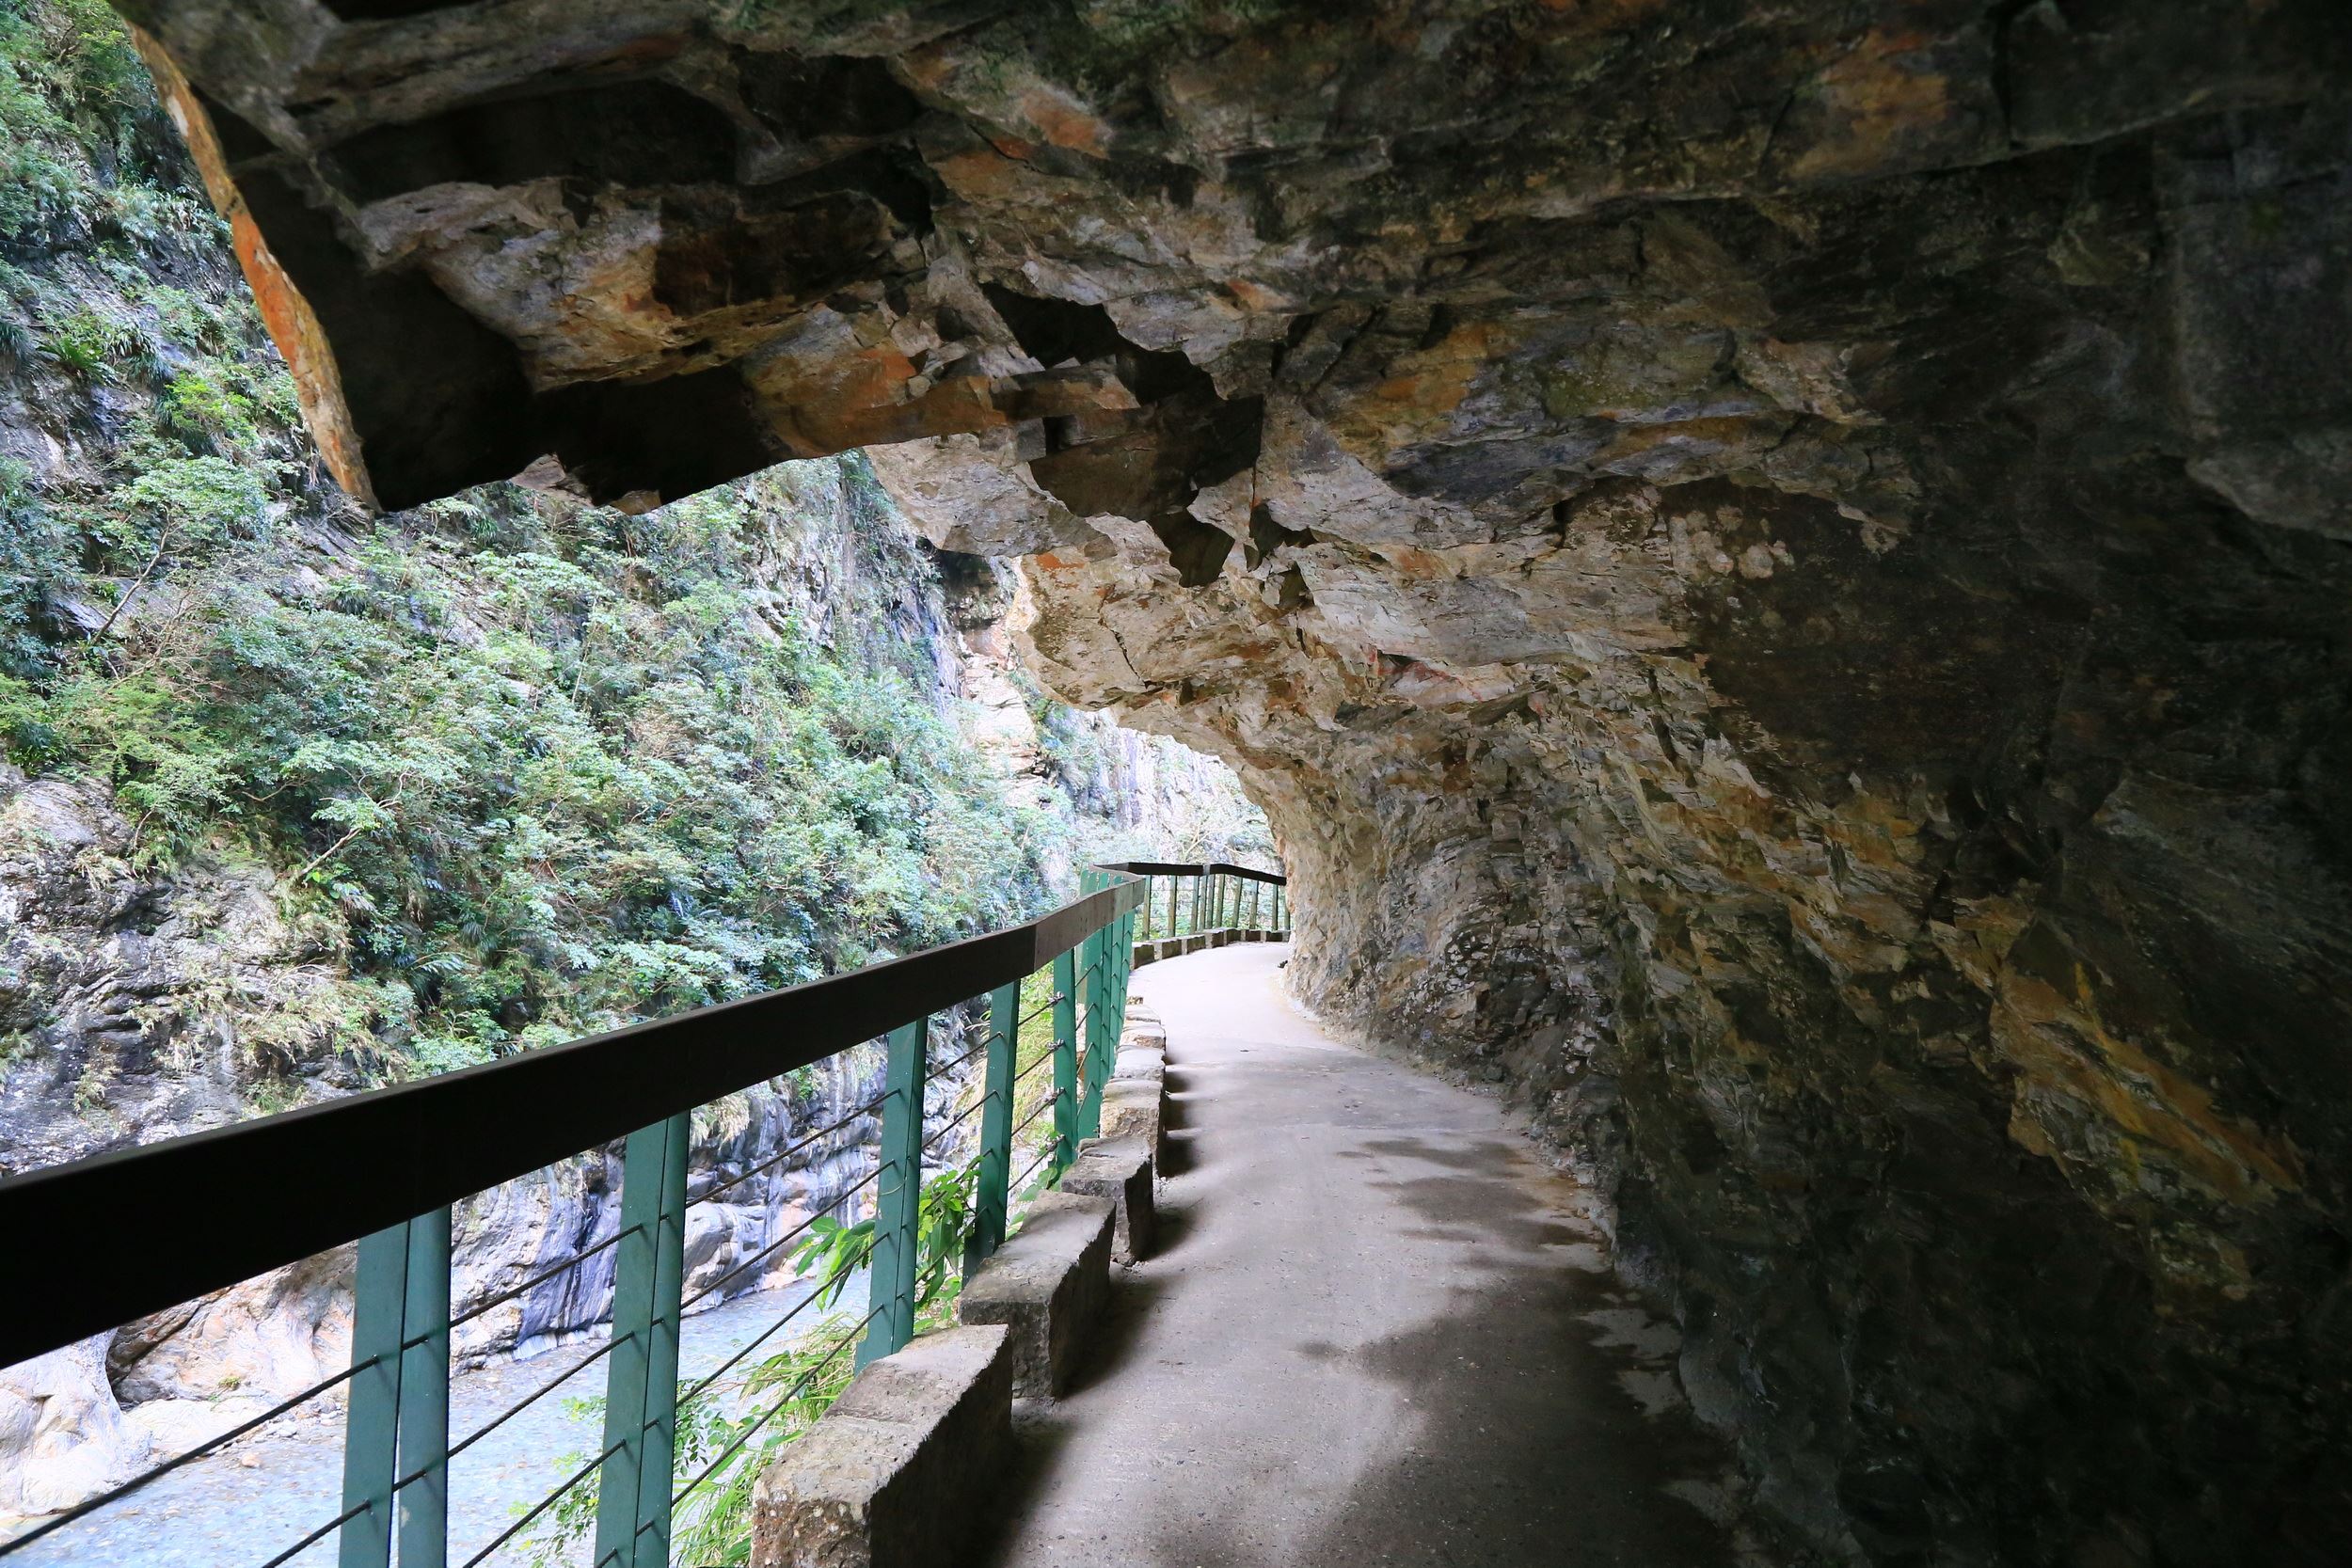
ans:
(897, 1196)
(641, 1391)
(371, 1422)
(1109, 1003)
(1107, 1036)
(1065, 1060)
(995, 1176)
(1090, 961)
(1147, 908)
(1124, 969)
(397, 1422)
(422, 1506)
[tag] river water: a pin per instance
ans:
(243, 1506)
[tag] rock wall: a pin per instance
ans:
(1125, 794)
(1880, 812)
(1780, 574)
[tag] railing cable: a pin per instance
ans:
(775, 1159)
(781, 1240)
(1043, 1105)
(745, 1435)
(575, 1260)
(528, 1400)
(960, 1116)
(1043, 1057)
(724, 1367)
(319, 1534)
(543, 1505)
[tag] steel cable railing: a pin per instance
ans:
(444, 1138)
(780, 1242)
(545, 1503)
(775, 1159)
(491, 1304)
(318, 1535)
(745, 1436)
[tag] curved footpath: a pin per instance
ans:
(1376, 1331)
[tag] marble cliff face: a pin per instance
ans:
(1782, 573)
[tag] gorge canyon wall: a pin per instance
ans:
(1779, 571)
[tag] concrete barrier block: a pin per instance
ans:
(890, 1476)
(1137, 1060)
(1047, 1284)
(1136, 1108)
(1120, 1170)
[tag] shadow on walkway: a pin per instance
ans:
(1379, 1332)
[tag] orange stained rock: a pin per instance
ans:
(1886, 102)
(979, 173)
(292, 323)
(2065, 1047)
(1437, 378)
(1065, 122)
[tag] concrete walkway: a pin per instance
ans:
(1377, 1332)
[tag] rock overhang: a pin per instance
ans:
(1781, 572)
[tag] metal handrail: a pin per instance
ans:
(338, 1171)
(342, 1170)
(383, 1167)
(1193, 868)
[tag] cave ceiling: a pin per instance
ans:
(1782, 571)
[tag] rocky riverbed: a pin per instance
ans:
(263, 1493)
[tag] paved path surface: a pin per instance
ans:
(1376, 1333)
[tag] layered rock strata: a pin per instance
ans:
(1781, 572)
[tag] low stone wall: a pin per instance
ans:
(1048, 1284)
(1199, 942)
(892, 1475)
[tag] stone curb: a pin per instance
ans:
(890, 1476)
(1120, 1170)
(1136, 1108)
(1140, 1056)
(1046, 1284)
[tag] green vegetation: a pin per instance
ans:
(519, 767)
(82, 144)
(534, 769)
(498, 771)
(729, 1427)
